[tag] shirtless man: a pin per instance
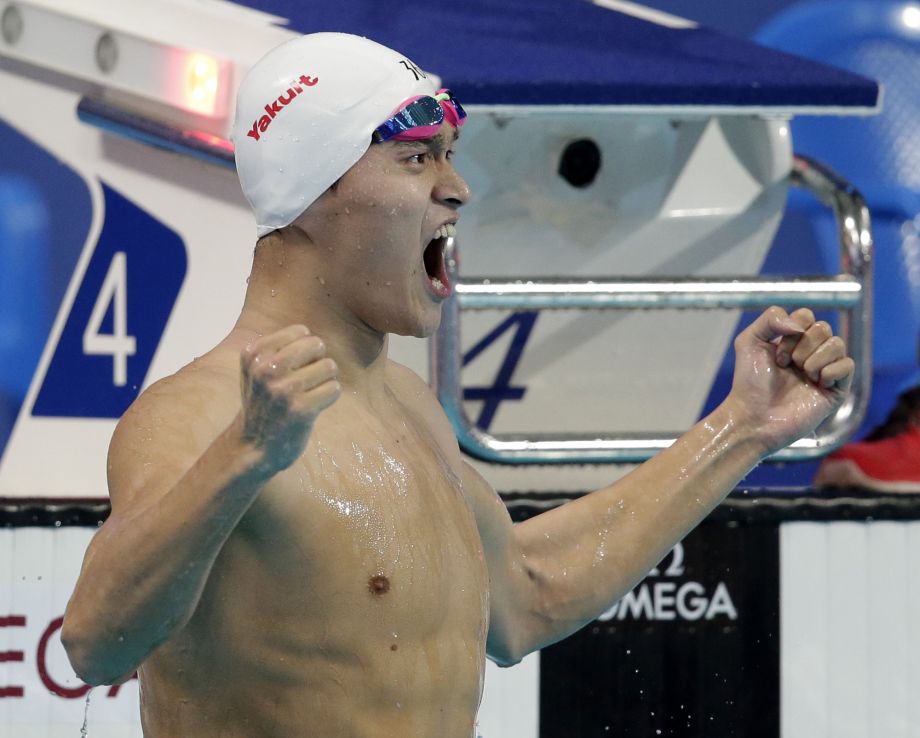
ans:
(296, 546)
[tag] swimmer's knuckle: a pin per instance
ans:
(267, 370)
(252, 359)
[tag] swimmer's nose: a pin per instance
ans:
(451, 189)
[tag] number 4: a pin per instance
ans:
(118, 344)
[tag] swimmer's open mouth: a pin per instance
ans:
(435, 267)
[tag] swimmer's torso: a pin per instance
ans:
(351, 600)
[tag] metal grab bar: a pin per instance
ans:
(633, 294)
(850, 292)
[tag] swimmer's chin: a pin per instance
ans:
(426, 331)
(419, 330)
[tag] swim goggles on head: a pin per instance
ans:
(421, 117)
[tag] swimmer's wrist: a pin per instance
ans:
(252, 458)
(732, 420)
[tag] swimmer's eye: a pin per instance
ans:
(418, 158)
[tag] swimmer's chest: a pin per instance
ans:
(376, 518)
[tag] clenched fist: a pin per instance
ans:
(791, 372)
(285, 382)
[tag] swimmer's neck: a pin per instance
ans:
(283, 290)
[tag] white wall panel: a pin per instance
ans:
(912, 647)
(886, 633)
(803, 631)
(38, 569)
(846, 613)
(850, 653)
(6, 639)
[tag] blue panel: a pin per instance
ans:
(24, 277)
(85, 384)
(45, 214)
(547, 52)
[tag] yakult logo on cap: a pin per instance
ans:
(260, 125)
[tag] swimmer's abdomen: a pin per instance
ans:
(339, 603)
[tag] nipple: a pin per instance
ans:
(378, 585)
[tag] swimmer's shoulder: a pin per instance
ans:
(193, 393)
(172, 422)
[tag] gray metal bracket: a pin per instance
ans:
(850, 292)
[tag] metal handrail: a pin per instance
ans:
(850, 292)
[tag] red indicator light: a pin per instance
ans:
(202, 81)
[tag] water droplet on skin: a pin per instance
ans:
(322, 281)
(274, 292)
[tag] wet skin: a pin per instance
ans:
(351, 599)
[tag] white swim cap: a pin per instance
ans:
(305, 114)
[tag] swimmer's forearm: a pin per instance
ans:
(587, 554)
(145, 570)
